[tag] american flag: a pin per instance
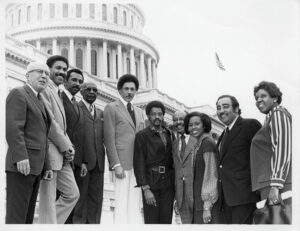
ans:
(219, 64)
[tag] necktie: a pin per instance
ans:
(91, 109)
(131, 112)
(73, 100)
(223, 141)
(183, 145)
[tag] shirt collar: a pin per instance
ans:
(154, 131)
(68, 94)
(232, 123)
(34, 91)
(87, 104)
(125, 103)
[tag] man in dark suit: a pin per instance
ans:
(74, 119)
(27, 127)
(238, 200)
(89, 169)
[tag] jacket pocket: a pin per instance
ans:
(33, 146)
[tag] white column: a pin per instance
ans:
(113, 62)
(54, 46)
(149, 72)
(132, 61)
(104, 60)
(125, 71)
(154, 65)
(100, 58)
(71, 52)
(88, 55)
(120, 68)
(38, 43)
(142, 70)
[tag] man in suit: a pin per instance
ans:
(27, 127)
(153, 166)
(74, 120)
(238, 200)
(182, 156)
(89, 168)
(60, 153)
(122, 121)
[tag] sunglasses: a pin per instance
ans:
(91, 89)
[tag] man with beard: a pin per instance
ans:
(74, 119)
(122, 121)
(60, 153)
(89, 169)
(153, 167)
(182, 156)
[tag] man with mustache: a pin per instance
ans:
(122, 121)
(183, 168)
(237, 199)
(153, 166)
(74, 120)
(60, 153)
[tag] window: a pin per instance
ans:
(52, 10)
(78, 10)
(39, 13)
(65, 53)
(19, 17)
(65, 10)
(94, 62)
(12, 20)
(79, 58)
(128, 64)
(131, 21)
(104, 12)
(115, 15)
(92, 10)
(124, 18)
(108, 63)
(28, 13)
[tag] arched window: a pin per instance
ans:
(78, 10)
(94, 62)
(28, 13)
(108, 65)
(128, 65)
(124, 18)
(12, 20)
(52, 10)
(104, 12)
(115, 15)
(40, 11)
(65, 53)
(65, 10)
(92, 10)
(79, 61)
(19, 17)
(131, 21)
(49, 52)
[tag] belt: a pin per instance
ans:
(160, 169)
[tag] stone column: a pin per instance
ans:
(54, 46)
(132, 62)
(113, 63)
(154, 74)
(88, 55)
(100, 58)
(38, 44)
(71, 52)
(120, 67)
(125, 71)
(149, 72)
(142, 70)
(104, 60)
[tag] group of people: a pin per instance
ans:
(57, 147)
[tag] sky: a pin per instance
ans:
(255, 40)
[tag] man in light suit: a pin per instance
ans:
(182, 157)
(237, 199)
(60, 153)
(89, 168)
(27, 127)
(122, 121)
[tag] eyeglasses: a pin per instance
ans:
(47, 73)
(91, 89)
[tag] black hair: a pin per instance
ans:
(271, 88)
(205, 119)
(52, 59)
(234, 102)
(155, 103)
(69, 72)
(126, 79)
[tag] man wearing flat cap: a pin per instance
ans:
(27, 127)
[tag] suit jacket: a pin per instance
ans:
(119, 133)
(93, 148)
(234, 163)
(27, 127)
(75, 127)
(184, 170)
(59, 141)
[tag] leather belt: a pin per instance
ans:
(160, 169)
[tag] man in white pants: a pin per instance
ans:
(122, 121)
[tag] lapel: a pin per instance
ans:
(189, 148)
(86, 111)
(176, 149)
(126, 114)
(35, 100)
(232, 134)
(57, 99)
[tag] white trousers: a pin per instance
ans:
(127, 200)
